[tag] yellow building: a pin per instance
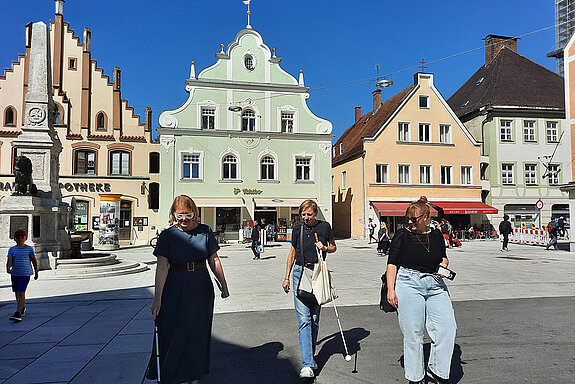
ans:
(108, 155)
(410, 145)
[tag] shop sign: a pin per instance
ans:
(86, 187)
(247, 191)
(140, 221)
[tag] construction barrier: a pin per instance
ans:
(528, 236)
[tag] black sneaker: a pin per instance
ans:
(433, 378)
(16, 316)
(256, 257)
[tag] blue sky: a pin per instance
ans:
(334, 42)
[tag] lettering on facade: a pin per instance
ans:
(86, 187)
(247, 191)
(6, 186)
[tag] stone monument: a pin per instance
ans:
(38, 207)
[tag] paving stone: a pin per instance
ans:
(25, 351)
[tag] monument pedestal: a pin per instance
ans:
(44, 219)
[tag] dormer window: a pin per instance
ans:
(424, 101)
(479, 81)
(249, 62)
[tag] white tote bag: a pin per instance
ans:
(323, 288)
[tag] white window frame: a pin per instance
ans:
(287, 109)
(124, 170)
(530, 175)
(529, 131)
(223, 154)
(507, 174)
(505, 132)
(400, 167)
(402, 134)
(255, 115)
(419, 131)
(553, 177)
(275, 167)
(332, 184)
(210, 114)
(211, 105)
(344, 180)
(304, 155)
(552, 133)
(383, 176)
(192, 152)
(445, 137)
(427, 101)
(229, 163)
(429, 169)
(443, 175)
(466, 179)
(333, 151)
(340, 148)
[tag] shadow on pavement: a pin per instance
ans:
(333, 345)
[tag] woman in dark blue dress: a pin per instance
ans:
(183, 303)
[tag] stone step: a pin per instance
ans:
(122, 267)
(107, 259)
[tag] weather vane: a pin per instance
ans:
(247, 2)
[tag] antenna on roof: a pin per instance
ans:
(422, 65)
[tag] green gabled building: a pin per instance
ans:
(245, 145)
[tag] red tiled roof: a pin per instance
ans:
(132, 138)
(10, 133)
(366, 126)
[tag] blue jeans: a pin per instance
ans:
(255, 245)
(308, 322)
(423, 299)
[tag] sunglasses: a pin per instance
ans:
(413, 219)
(184, 216)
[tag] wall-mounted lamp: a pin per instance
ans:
(235, 108)
(143, 188)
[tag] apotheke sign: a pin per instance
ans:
(86, 187)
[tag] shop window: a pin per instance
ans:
(9, 116)
(84, 162)
(154, 162)
(154, 196)
(119, 163)
(228, 219)
(267, 167)
(81, 215)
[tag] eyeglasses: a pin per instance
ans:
(184, 216)
(413, 219)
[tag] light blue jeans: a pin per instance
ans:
(423, 300)
(308, 322)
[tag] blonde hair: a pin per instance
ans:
(308, 204)
(420, 204)
(184, 201)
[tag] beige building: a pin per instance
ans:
(109, 157)
(410, 145)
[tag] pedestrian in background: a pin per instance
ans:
(183, 305)
(371, 227)
(256, 240)
(383, 239)
(303, 254)
(505, 230)
(21, 258)
(552, 230)
(420, 295)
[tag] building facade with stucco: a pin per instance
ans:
(109, 157)
(245, 145)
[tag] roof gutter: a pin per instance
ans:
(363, 192)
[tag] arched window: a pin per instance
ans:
(119, 163)
(58, 114)
(10, 116)
(249, 62)
(267, 168)
(248, 120)
(101, 121)
(229, 167)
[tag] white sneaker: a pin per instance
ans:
(306, 372)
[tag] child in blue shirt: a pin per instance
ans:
(21, 257)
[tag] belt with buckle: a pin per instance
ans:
(306, 265)
(190, 266)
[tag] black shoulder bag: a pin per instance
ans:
(304, 290)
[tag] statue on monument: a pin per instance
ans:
(23, 184)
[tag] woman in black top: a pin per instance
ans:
(420, 295)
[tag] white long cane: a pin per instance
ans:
(347, 355)
(157, 351)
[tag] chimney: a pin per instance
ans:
(60, 7)
(376, 98)
(148, 119)
(357, 113)
(87, 39)
(494, 44)
(117, 75)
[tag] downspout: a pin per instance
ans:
(363, 193)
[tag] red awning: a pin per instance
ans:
(464, 207)
(394, 209)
